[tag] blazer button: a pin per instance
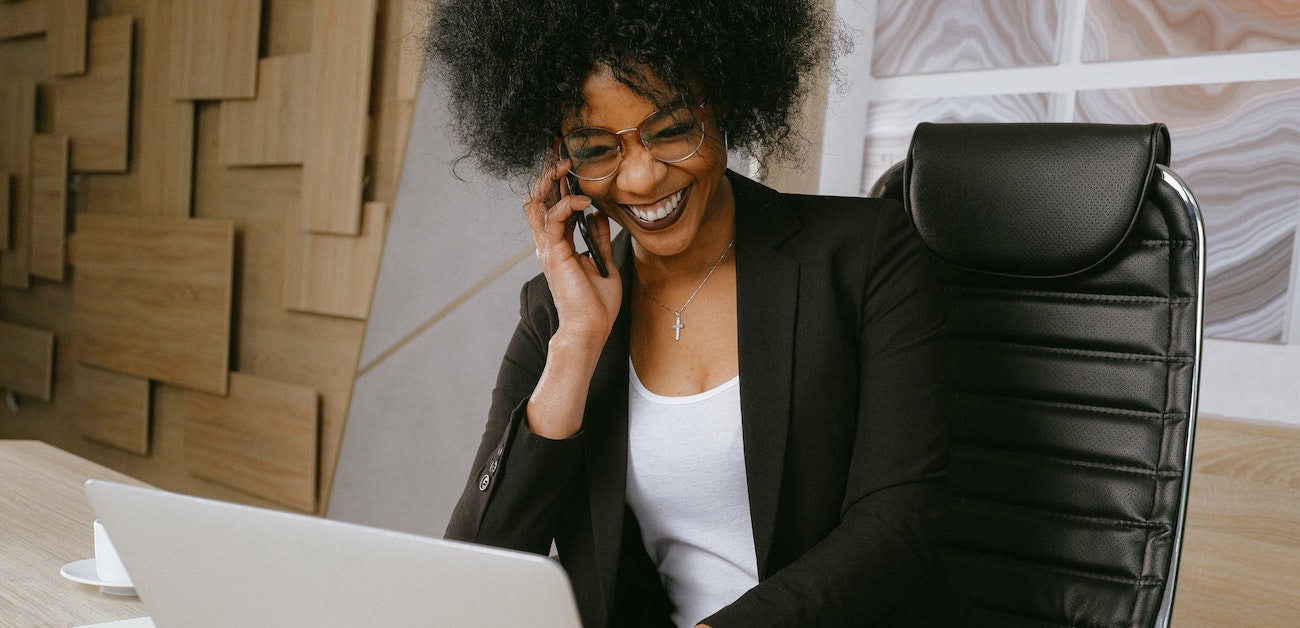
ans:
(483, 482)
(492, 466)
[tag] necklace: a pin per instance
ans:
(677, 325)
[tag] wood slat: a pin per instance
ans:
(20, 19)
(49, 221)
(113, 408)
(397, 70)
(6, 208)
(268, 130)
(213, 47)
(153, 297)
(287, 26)
(94, 110)
(17, 128)
(333, 274)
(334, 150)
(262, 438)
(410, 49)
(67, 22)
(27, 362)
(164, 162)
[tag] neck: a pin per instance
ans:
(689, 266)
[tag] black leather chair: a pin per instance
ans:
(1072, 262)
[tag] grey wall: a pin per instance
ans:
(456, 254)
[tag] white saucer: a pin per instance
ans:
(84, 571)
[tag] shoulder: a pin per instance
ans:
(802, 224)
(846, 215)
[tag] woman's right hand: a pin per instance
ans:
(586, 302)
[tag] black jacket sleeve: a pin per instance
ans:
(519, 479)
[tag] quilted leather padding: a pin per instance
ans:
(1045, 207)
(1074, 401)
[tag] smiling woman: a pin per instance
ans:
(740, 420)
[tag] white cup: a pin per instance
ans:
(108, 565)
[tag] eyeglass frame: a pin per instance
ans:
(696, 110)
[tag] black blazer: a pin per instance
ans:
(842, 405)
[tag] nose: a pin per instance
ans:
(639, 173)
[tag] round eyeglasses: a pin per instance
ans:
(670, 135)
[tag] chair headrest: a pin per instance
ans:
(1029, 200)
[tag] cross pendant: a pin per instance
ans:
(677, 327)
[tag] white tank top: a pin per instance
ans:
(686, 485)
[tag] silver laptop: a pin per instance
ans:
(200, 562)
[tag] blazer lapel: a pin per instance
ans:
(767, 285)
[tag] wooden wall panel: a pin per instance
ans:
(333, 274)
(67, 23)
(164, 154)
(174, 171)
(113, 408)
(6, 208)
(213, 47)
(152, 297)
(287, 27)
(333, 169)
(268, 130)
(27, 362)
(409, 49)
(94, 110)
(20, 19)
(261, 438)
(49, 206)
(398, 70)
(17, 128)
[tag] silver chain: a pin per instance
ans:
(677, 325)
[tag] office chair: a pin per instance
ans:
(1072, 265)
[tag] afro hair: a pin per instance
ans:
(515, 68)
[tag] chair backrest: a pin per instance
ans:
(1072, 264)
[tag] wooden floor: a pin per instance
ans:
(1241, 552)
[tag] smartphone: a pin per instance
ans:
(571, 183)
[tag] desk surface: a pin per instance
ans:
(45, 523)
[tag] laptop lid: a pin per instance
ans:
(200, 562)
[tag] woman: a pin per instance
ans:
(739, 423)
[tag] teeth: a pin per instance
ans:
(651, 213)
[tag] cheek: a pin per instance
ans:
(615, 214)
(598, 192)
(713, 156)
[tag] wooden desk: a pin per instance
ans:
(45, 523)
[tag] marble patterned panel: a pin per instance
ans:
(1238, 147)
(890, 123)
(958, 35)
(1142, 29)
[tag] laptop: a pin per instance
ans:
(200, 562)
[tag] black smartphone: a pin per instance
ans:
(571, 182)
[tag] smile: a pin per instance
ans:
(659, 210)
